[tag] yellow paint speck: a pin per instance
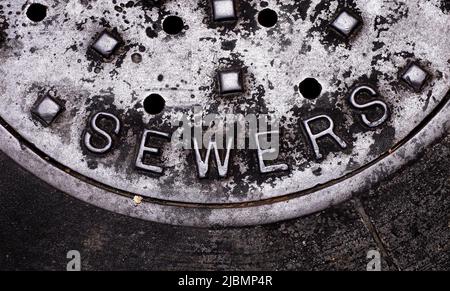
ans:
(137, 199)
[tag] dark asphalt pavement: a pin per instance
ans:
(405, 218)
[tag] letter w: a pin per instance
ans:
(203, 165)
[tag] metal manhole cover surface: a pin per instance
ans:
(220, 112)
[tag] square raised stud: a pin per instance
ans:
(106, 44)
(346, 23)
(46, 109)
(224, 10)
(230, 82)
(415, 76)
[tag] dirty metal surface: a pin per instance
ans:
(72, 69)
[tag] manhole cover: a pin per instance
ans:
(220, 112)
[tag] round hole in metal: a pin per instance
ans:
(154, 104)
(37, 12)
(173, 25)
(310, 88)
(267, 17)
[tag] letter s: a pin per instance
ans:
(104, 134)
(380, 103)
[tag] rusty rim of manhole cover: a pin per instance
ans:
(220, 112)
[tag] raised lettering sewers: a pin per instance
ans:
(215, 144)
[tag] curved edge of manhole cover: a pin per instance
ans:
(268, 211)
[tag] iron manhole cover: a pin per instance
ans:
(220, 112)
